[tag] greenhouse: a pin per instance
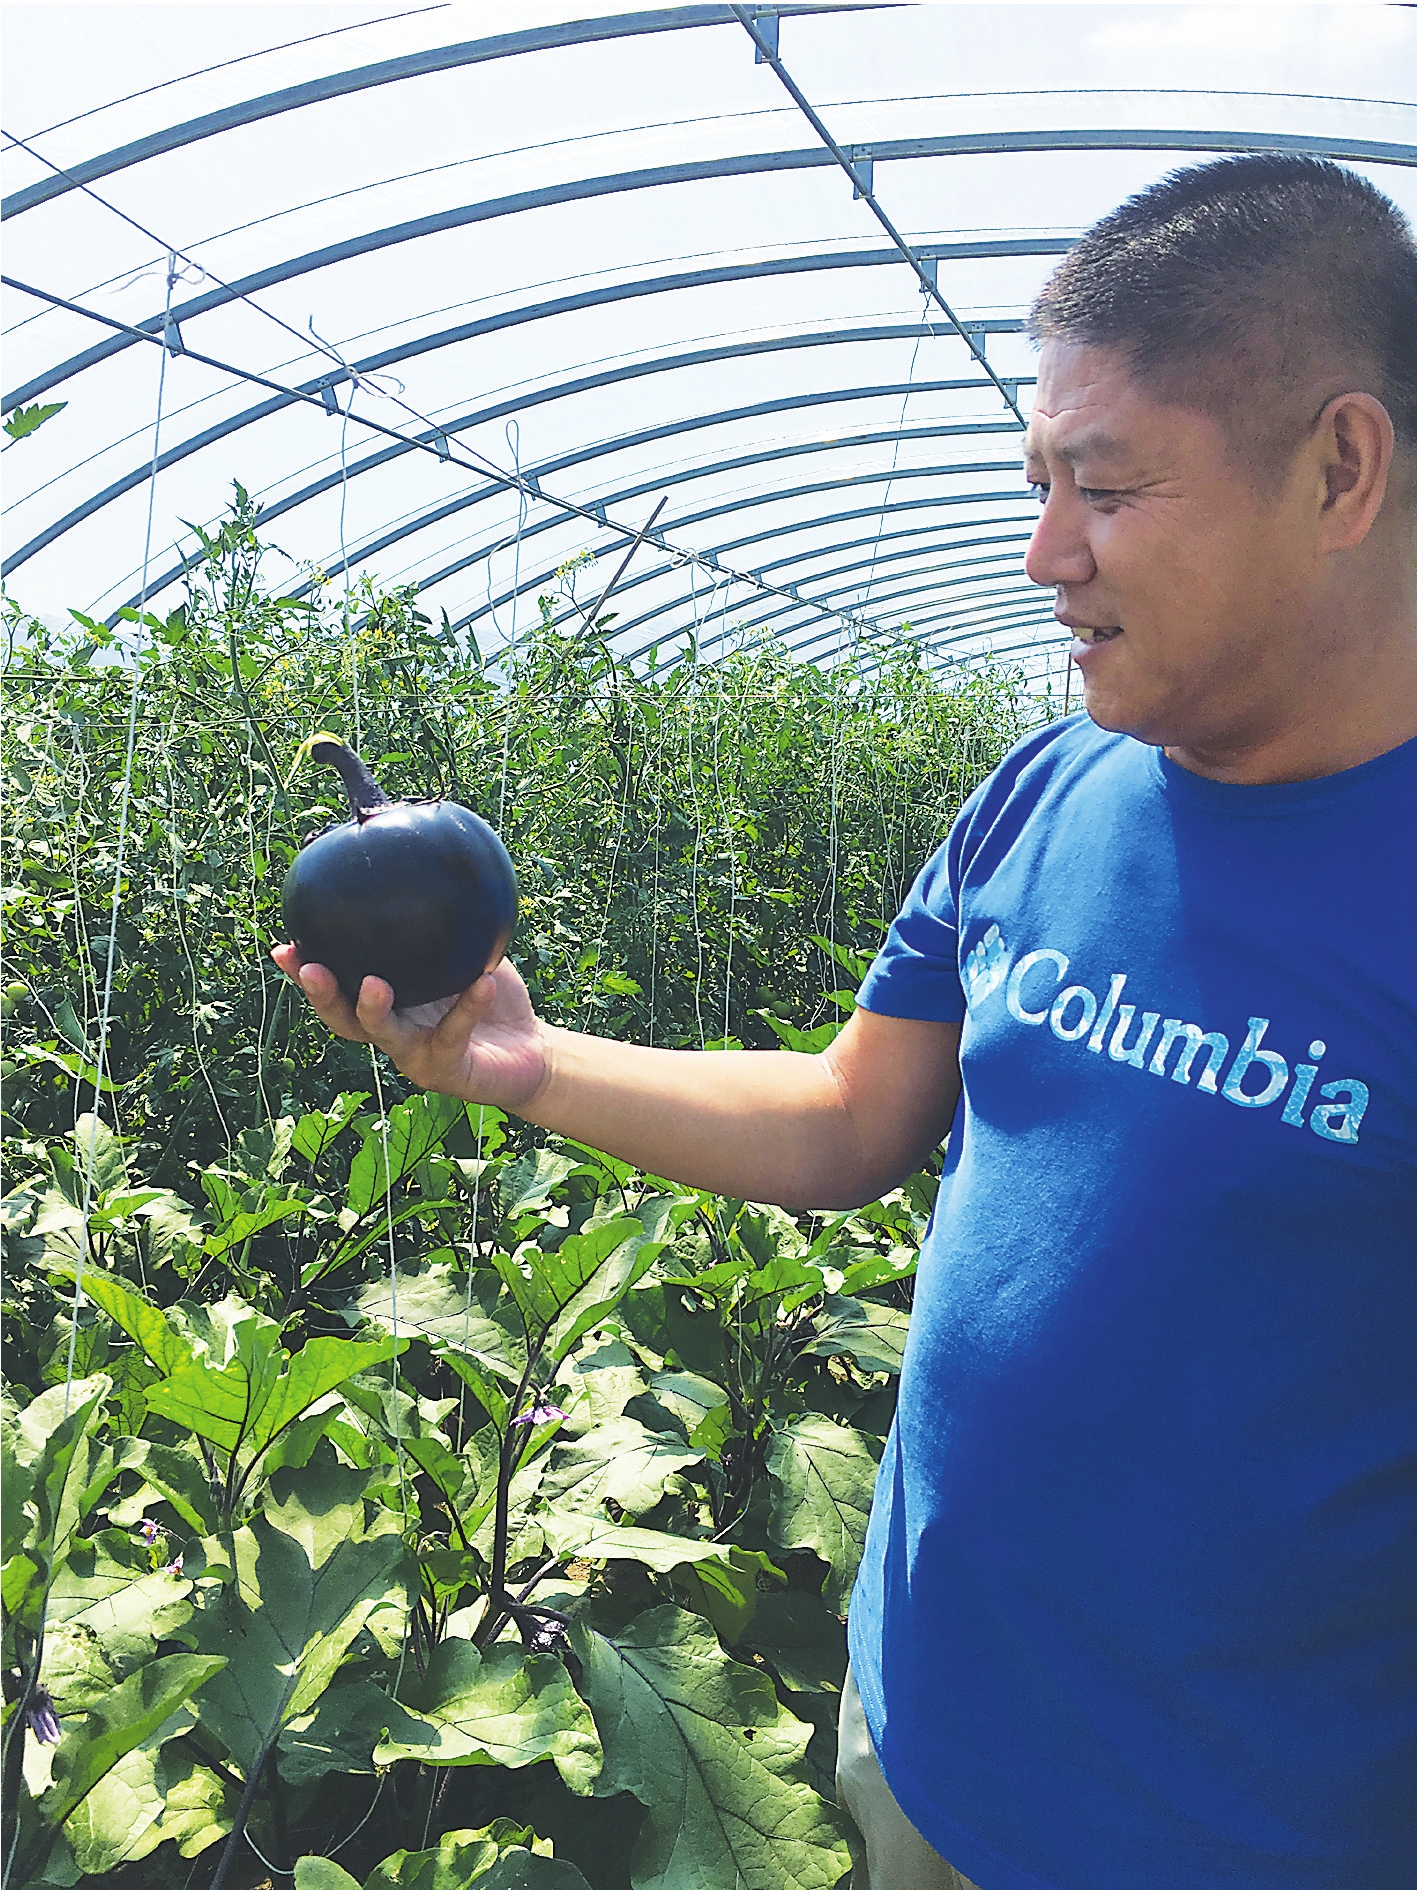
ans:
(593, 456)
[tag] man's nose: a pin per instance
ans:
(1058, 552)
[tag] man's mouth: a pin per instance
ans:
(1089, 633)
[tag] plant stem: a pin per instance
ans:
(238, 1828)
(508, 1459)
(12, 1775)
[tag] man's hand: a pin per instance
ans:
(823, 1131)
(485, 1046)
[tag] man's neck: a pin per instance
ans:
(1347, 694)
(1305, 752)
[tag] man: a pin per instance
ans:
(1137, 1603)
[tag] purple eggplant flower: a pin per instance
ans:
(542, 1414)
(174, 1567)
(150, 1530)
(43, 1720)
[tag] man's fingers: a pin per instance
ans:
(374, 1019)
(322, 991)
(321, 987)
(469, 1010)
(377, 1017)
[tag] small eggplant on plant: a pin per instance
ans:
(419, 893)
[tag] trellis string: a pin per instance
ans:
(124, 804)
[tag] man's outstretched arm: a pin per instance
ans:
(825, 1131)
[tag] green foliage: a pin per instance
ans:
(695, 841)
(112, 1728)
(705, 1743)
(574, 1488)
(26, 420)
(822, 1475)
(506, 1707)
(432, 1501)
(307, 1576)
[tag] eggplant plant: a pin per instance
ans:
(580, 1491)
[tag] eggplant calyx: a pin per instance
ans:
(366, 797)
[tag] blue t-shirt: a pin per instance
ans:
(1138, 1608)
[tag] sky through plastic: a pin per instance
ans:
(608, 249)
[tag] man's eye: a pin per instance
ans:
(1095, 495)
(1038, 491)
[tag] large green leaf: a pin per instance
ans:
(179, 1473)
(107, 1610)
(17, 1481)
(727, 1590)
(156, 1793)
(90, 1142)
(349, 1720)
(677, 1327)
(126, 1717)
(309, 1574)
(90, 1341)
(822, 1477)
(275, 1205)
(376, 1234)
(143, 1322)
(319, 1506)
(448, 1304)
(873, 1335)
(317, 1128)
(802, 1639)
(322, 1873)
(620, 1460)
(414, 1130)
(517, 1869)
(604, 1378)
(62, 1475)
(487, 1385)
(495, 1858)
(528, 1182)
(707, 1748)
(242, 1406)
(505, 1707)
(597, 1539)
(133, 1371)
(110, 1827)
(467, 1479)
(198, 1808)
(878, 1269)
(676, 1401)
(561, 1295)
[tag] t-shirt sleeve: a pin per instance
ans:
(916, 972)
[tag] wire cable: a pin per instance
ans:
(124, 805)
(863, 186)
(202, 72)
(437, 443)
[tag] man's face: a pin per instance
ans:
(1183, 585)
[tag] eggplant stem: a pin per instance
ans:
(365, 794)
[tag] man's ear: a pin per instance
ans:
(1353, 443)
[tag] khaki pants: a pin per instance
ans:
(897, 1857)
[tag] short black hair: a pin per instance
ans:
(1232, 285)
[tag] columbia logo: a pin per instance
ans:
(986, 966)
(1035, 993)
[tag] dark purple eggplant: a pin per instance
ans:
(419, 893)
